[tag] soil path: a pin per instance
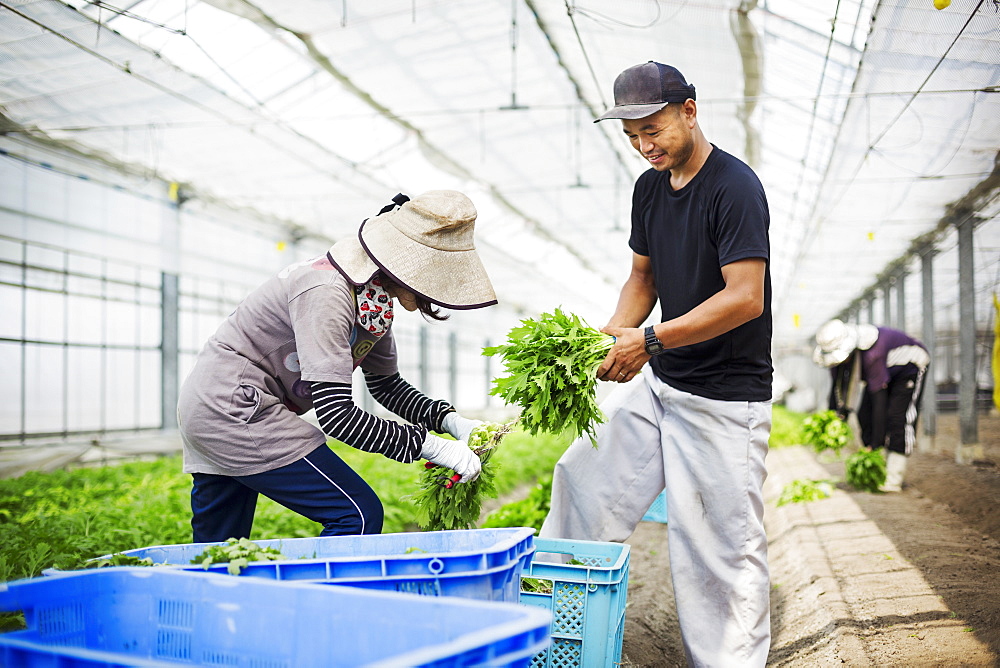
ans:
(858, 579)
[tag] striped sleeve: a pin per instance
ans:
(339, 418)
(407, 402)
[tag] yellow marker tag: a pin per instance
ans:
(796, 320)
(941, 4)
(282, 245)
(871, 236)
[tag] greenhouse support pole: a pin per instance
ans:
(871, 308)
(929, 401)
(968, 448)
(424, 354)
(453, 367)
(488, 370)
(169, 354)
(169, 261)
(901, 301)
(887, 302)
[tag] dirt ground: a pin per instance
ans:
(859, 579)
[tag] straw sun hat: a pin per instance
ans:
(836, 340)
(425, 244)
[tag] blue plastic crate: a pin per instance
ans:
(587, 602)
(164, 617)
(483, 564)
(658, 510)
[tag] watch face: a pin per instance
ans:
(653, 345)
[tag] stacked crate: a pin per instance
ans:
(469, 608)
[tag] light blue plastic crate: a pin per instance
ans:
(587, 602)
(164, 617)
(658, 510)
(483, 564)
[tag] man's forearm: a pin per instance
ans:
(713, 317)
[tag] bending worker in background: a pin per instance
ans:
(698, 417)
(294, 343)
(891, 365)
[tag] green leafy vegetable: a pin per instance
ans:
(541, 586)
(826, 431)
(786, 427)
(803, 491)
(865, 470)
(118, 560)
(530, 511)
(536, 586)
(551, 364)
(237, 553)
(460, 505)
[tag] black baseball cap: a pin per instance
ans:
(642, 90)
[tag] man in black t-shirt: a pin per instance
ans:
(698, 418)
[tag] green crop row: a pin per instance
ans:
(62, 518)
(59, 518)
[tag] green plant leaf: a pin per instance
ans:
(825, 431)
(459, 506)
(865, 470)
(551, 363)
(804, 491)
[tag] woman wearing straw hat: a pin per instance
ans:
(293, 344)
(891, 364)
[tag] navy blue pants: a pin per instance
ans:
(320, 486)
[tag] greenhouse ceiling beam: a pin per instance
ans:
(613, 146)
(957, 213)
(137, 171)
(126, 69)
(811, 220)
(811, 30)
(447, 162)
(748, 44)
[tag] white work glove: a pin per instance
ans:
(459, 427)
(454, 455)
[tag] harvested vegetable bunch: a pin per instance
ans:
(552, 362)
(865, 470)
(441, 506)
(804, 491)
(826, 431)
(237, 553)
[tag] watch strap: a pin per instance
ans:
(653, 345)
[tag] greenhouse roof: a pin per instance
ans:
(873, 125)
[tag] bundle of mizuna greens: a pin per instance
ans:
(551, 363)
(444, 505)
(865, 470)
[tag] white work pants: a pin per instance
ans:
(709, 455)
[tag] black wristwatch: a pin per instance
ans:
(653, 345)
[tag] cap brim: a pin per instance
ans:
(452, 279)
(632, 111)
